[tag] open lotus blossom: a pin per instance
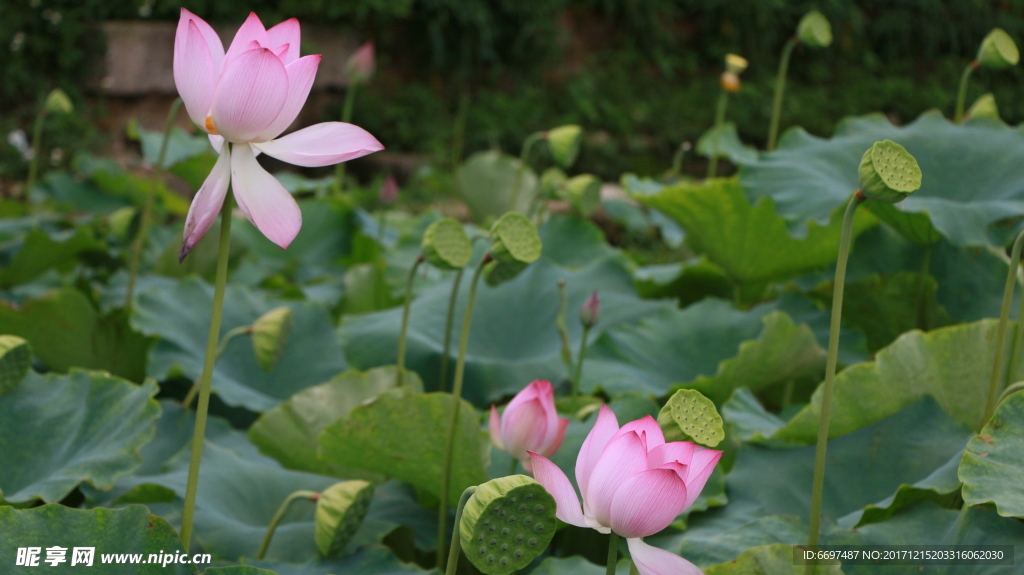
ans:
(246, 97)
(633, 483)
(529, 423)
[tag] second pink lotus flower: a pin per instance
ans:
(633, 484)
(247, 96)
(530, 423)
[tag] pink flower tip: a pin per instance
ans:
(388, 191)
(590, 312)
(362, 63)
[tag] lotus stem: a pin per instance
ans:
(563, 329)
(513, 466)
(830, 372)
(406, 306)
(613, 553)
(206, 379)
(578, 374)
(460, 371)
(723, 104)
(37, 140)
(961, 94)
(677, 159)
(285, 505)
(1004, 321)
(147, 209)
(449, 320)
(456, 546)
(221, 348)
(346, 116)
(523, 156)
(780, 88)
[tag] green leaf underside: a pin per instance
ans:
(993, 463)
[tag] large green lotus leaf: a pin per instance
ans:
(750, 242)
(374, 559)
(707, 546)
(57, 431)
(512, 337)
(747, 419)
(952, 364)
(403, 434)
(971, 174)
(39, 251)
(774, 559)
(74, 194)
(180, 317)
(131, 530)
(709, 346)
(941, 487)
(487, 182)
(66, 331)
(688, 282)
(289, 432)
(576, 565)
(726, 143)
(180, 145)
(993, 463)
(237, 570)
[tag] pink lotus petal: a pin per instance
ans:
(623, 457)
(646, 427)
(266, 203)
(252, 30)
(593, 445)
(651, 560)
(523, 428)
(207, 203)
(700, 469)
(556, 442)
(322, 145)
(677, 451)
(252, 91)
(195, 74)
(212, 39)
(286, 32)
(528, 393)
(280, 51)
(647, 502)
(551, 477)
(494, 428)
(217, 142)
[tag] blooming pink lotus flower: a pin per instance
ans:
(362, 63)
(633, 484)
(246, 97)
(530, 424)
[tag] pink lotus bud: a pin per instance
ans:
(590, 313)
(388, 191)
(362, 64)
(529, 423)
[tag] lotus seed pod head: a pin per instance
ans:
(362, 64)
(814, 30)
(58, 101)
(888, 173)
(565, 144)
(514, 239)
(590, 312)
(340, 511)
(584, 193)
(998, 50)
(984, 107)
(498, 272)
(506, 524)
(735, 64)
(388, 193)
(730, 82)
(446, 245)
(551, 181)
(270, 336)
(15, 361)
(121, 222)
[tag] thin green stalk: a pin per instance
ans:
(1004, 321)
(780, 88)
(613, 553)
(460, 371)
(830, 372)
(147, 209)
(456, 547)
(346, 116)
(578, 374)
(221, 348)
(961, 94)
(512, 468)
(449, 320)
(207, 375)
(380, 283)
(37, 140)
(563, 329)
(523, 157)
(307, 495)
(723, 104)
(677, 159)
(406, 306)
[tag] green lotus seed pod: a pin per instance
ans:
(446, 246)
(58, 101)
(998, 50)
(984, 107)
(814, 30)
(507, 524)
(15, 361)
(689, 415)
(735, 64)
(269, 336)
(551, 182)
(888, 173)
(565, 144)
(339, 513)
(498, 272)
(583, 193)
(121, 223)
(514, 239)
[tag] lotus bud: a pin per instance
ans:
(814, 30)
(551, 181)
(58, 101)
(735, 64)
(565, 144)
(888, 173)
(446, 246)
(730, 82)
(506, 524)
(270, 335)
(530, 422)
(121, 222)
(984, 107)
(514, 239)
(340, 511)
(590, 312)
(15, 361)
(362, 64)
(388, 191)
(998, 50)
(583, 192)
